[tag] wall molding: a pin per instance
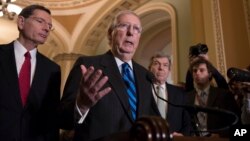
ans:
(246, 5)
(218, 34)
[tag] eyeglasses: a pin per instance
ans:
(127, 26)
(42, 22)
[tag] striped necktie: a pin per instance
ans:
(130, 86)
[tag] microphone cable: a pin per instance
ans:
(194, 109)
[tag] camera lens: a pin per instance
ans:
(198, 49)
(193, 51)
(203, 49)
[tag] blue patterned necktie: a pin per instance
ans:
(131, 90)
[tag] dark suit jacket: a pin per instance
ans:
(221, 99)
(35, 121)
(178, 118)
(112, 113)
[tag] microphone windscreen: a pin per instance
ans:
(238, 75)
(150, 76)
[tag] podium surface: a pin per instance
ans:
(189, 138)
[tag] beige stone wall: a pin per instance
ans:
(170, 26)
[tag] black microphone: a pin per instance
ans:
(190, 108)
(238, 75)
(194, 109)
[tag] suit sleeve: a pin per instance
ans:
(68, 100)
(220, 80)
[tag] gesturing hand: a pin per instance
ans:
(91, 88)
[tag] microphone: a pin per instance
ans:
(238, 75)
(194, 109)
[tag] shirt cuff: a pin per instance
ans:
(82, 116)
(248, 105)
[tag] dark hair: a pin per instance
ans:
(248, 68)
(28, 11)
(199, 61)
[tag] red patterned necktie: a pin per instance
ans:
(24, 78)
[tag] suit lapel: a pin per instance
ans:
(35, 97)
(10, 70)
(211, 96)
(118, 87)
(191, 97)
(140, 92)
(143, 92)
(171, 99)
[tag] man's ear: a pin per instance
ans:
(20, 22)
(210, 75)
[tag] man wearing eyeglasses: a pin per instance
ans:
(29, 81)
(178, 119)
(105, 94)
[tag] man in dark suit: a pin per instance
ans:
(201, 51)
(177, 118)
(96, 92)
(208, 96)
(28, 113)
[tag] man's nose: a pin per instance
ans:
(130, 30)
(160, 67)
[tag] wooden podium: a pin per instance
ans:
(154, 129)
(212, 138)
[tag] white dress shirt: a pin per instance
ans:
(19, 51)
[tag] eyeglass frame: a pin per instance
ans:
(127, 26)
(42, 21)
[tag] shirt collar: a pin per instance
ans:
(206, 90)
(20, 50)
(119, 63)
(162, 85)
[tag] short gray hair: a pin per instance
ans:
(114, 22)
(160, 55)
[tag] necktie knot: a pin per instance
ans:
(125, 68)
(126, 71)
(203, 94)
(27, 55)
(159, 88)
(202, 98)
